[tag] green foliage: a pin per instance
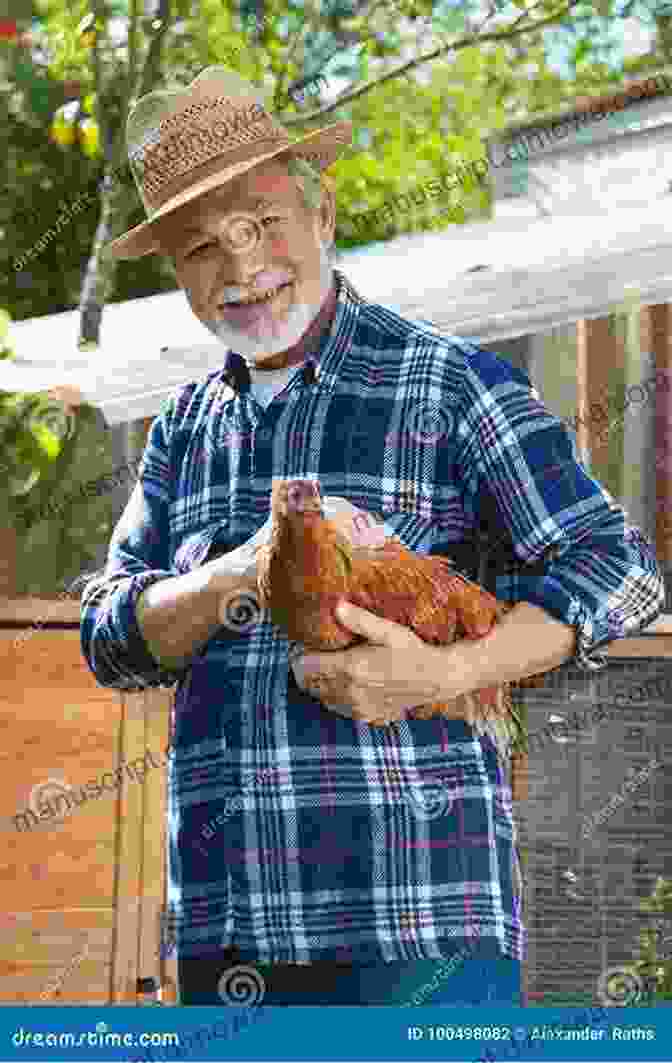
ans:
(33, 452)
(63, 532)
(654, 953)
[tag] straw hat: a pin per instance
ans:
(183, 143)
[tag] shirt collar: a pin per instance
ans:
(330, 351)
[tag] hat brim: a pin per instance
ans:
(321, 149)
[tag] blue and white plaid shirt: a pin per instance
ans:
(296, 834)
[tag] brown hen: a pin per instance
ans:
(312, 563)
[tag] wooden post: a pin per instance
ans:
(582, 413)
(661, 345)
(601, 353)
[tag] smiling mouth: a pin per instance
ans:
(252, 300)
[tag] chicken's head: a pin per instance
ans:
(289, 497)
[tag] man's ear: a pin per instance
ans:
(327, 211)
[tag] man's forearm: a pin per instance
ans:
(177, 616)
(527, 641)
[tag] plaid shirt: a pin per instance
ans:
(295, 834)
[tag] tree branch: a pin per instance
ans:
(140, 85)
(471, 41)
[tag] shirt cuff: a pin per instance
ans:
(125, 625)
(552, 597)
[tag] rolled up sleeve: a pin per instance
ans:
(111, 641)
(600, 573)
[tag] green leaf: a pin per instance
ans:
(49, 444)
(5, 321)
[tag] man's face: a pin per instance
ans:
(248, 238)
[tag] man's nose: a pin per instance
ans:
(241, 274)
(243, 252)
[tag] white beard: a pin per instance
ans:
(277, 337)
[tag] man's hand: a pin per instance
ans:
(242, 563)
(378, 683)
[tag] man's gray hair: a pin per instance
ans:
(309, 182)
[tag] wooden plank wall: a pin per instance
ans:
(80, 891)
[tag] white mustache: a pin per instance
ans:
(263, 282)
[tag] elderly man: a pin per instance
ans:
(309, 863)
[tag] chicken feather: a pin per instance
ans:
(311, 563)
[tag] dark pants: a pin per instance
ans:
(467, 981)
